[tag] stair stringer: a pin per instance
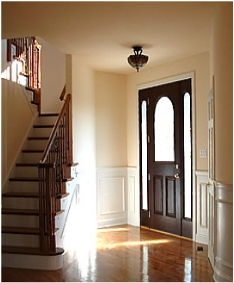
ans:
(18, 156)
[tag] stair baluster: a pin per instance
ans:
(52, 173)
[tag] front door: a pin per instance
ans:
(166, 157)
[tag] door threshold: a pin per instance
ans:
(167, 233)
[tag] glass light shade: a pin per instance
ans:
(137, 60)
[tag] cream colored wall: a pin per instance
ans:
(221, 66)
(222, 70)
(83, 124)
(199, 64)
(17, 117)
(111, 117)
(83, 111)
(53, 77)
(99, 107)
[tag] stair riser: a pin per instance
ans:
(41, 132)
(20, 203)
(26, 171)
(46, 120)
(31, 157)
(13, 220)
(37, 144)
(20, 240)
(23, 186)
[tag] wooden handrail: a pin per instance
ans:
(63, 93)
(52, 171)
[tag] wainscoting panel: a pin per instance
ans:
(133, 196)
(112, 195)
(223, 271)
(211, 223)
(112, 205)
(202, 207)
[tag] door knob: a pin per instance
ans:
(177, 176)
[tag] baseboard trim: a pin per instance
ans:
(111, 222)
(223, 271)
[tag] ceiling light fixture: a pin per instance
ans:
(138, 60)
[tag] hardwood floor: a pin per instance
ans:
(124, 253)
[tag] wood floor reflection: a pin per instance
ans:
(124, 253)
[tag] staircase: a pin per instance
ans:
(21, 231)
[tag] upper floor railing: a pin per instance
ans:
(27, 52)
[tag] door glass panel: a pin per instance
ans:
(187, 158)
(164, 130)
(144, 154)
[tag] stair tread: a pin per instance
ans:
(59, 212)
(67, 179)
(24, 211)
(23, 179)
(21, 194)
(34, 179)
(73, 164)
(48, 114)
(43, 126)
(20, 211)
(63, 195)
(29, 195)
(29, 250)
(33, 150)
(20, 230)
(38, 138)
(27, 164)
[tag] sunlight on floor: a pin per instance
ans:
(136, 243)
(81, 235)
(106, 230)
(187, 269)
(80, 227)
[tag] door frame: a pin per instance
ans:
(189, 75)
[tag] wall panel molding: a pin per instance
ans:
(223, 270)
(112, 205)
(202, 213)
(117, 196)
(112, 195)
(211, 223)
(133, 196)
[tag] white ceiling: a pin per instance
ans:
(103, 33)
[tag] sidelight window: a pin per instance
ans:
(187, 158)
(144, 154)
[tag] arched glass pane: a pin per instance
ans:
(164, 130)
(144, 154)
(187, 158)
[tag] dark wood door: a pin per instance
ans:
(164, 126)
